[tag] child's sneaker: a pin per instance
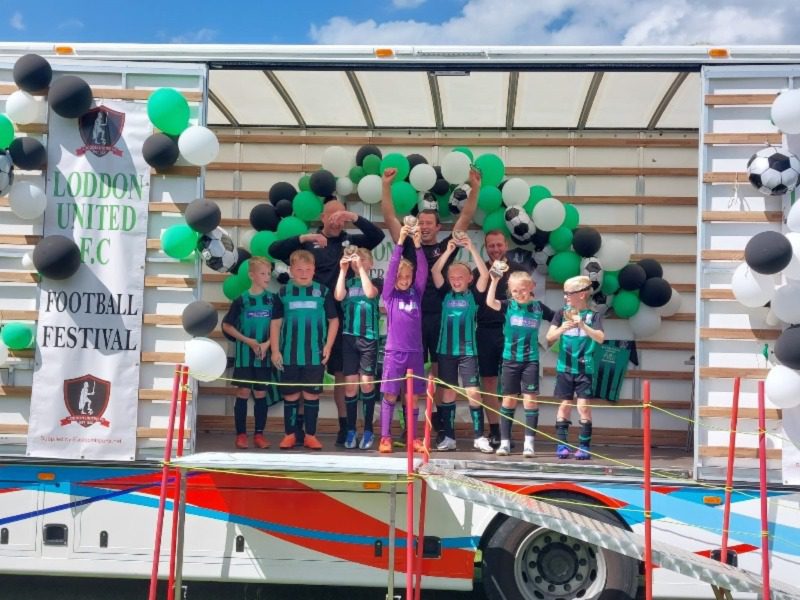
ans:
(288, 442)
(311, 442)
(385, 447)
(583, 453)
(494, 441)
(259, 441)
(419, 446)
(562, 451)
(366, 440)
(446, 445)
(504, 449)
(527, 450)
(241, 441)
(483, 445)
(350, 441)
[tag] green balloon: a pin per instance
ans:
(304, 183)
(404, 197)
(610, 283)
(259, 245)
(564, 265)
(357, 174)
(290, 227)
(6, 132)
(561, 239)
(243, 275)
(490, 199)
(538, 192)
(168, 110)
(395, 160)
(178, 241)
(492, 169)
(572, 218)
(371, 164)
(495, 221)
(444, 208)
(18, 336)
(465, 150)
(625, 304)
(307, 206)
(233, 287)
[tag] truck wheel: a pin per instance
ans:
(523, 561)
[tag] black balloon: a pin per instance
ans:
(283, 208)
(283, 278)
(365, 151)
(70, 96)
(655, 292)
(440, 187)
(652, 267)
(540, 239)
(57, 257)
(414, 160)
(787, 347)
(323, 183)
(32, 73)
(28, 153)
(586, 241)
(264, 217)
(243, 256)
(282, 191)
(203, 215)
(160, 151)
(632, 277)
(199, 318)
(768, 252)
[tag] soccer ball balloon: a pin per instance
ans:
(218, 250)
(458, 198)
(592, 268)
(427, 201)
(773, 171)
(6, 173)
(520, 225)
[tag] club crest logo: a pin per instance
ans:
(100, 130)
(86, 399)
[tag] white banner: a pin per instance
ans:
(88, 342)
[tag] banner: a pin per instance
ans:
(88, 341)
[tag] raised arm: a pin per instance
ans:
(371, 235)
(421, 274)
(282, 249)
(340, 291)
(391, 272)
(491, 296)
(438, 266)
(387, 206)
(483, 272)
(465, 218)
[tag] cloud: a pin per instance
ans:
(200, 36)
(577, 22)
(71, 24)
(407, 3)
(16, 21)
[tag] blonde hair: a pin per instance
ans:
(405, 263)
(364, 254)
(303, 256)
(258, 261)
(459, 264)
(579, 283)
(520, 277)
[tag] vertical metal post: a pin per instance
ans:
(392, 519)
(171, 585)
(648, 547)
(179, 537)
(423, 500)
(762, 464)
(411, 427)
(726, 515)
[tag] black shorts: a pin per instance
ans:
(430, 336)
(360, 355)
(569, 386)
(302, 378)
(459, 370)
(490, 350)
(254, 378)
(335, 361)
(520, 377)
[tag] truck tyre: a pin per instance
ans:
(523, 561)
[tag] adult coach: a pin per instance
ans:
(429, 227)
(327, 245)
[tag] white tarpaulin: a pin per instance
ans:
(88, 342)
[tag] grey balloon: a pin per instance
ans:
(199, 318)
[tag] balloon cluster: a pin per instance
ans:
(169, 111)
(205, 358)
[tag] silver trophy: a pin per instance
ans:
(410, 221)
(459, 235)
(499, 268)
(350, 251)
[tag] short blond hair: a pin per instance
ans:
(405, 264)
(520, 277)
(258, 261)
(578, 283)
(303, 256)
(364, 254)
(459, 263)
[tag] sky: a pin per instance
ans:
(412, 22)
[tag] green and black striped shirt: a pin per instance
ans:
(459, 320)
(521, 329)
(360, 313)
(305, 311)
(251, 316)
(576, 351)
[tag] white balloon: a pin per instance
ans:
(782, 386)
(672, 306)
(245, 237)
(22, 108)
(205, 358)
(27, 200)
(613, 254)
(548, 214)
(786, 111)
(793, 218)
(370, 189)
(422, 177)
(772, 320)
(198, 145)
(3, 354)
(786, 303)
(792, 270)
(645, 322)
(344, 187)
(27, 260)
(516, 192)
(750, 288)
(337, 160)
(455, 167)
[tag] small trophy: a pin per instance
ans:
(459, 235)
(498, 268)
(410, 221)
(572, 315)
(350, 251)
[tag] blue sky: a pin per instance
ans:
(459, 22)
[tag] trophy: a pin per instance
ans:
(410, 221)
(572, 315)
(350, 252)
(499, 268)
(459, 235)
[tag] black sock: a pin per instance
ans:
(289, 417)
(585, 436)
(506, 414)
(436, 419)
(311, 414)
(299, 431)
(351, 405)
(369, 399)
(477, 421)
(531, 421)
(562, 430)
(240, 415)
(260, 412)
(494, 430)
(448, 414)
(342, 422)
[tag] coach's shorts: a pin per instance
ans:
(520, 378)
(335, 361)
(395, 364)
(459, 370)
(490, 350)
(302, 378)
(430, 336)
(359, 355)
(569, 386)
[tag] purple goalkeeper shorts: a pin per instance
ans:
(395, 364)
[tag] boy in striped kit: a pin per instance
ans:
(580, 331)
(302, 333)
(247, 322)
(520, 369)
(457, 349)
(359, 301)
